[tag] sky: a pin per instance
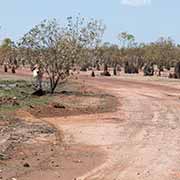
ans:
(147, 20)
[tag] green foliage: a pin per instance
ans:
(58, 49)
(7, 43)
(126, 39)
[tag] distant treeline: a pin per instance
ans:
(57, 49)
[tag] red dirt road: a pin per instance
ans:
(141, 140)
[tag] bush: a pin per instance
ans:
(130, 68)
(172, 76)
(106, 73)
(149, 70)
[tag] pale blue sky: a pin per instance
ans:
(146, 19)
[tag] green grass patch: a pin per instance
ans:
(17, 94)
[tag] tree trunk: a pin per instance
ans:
(13, 70)
(161, 69)
(115, 70)
(67, 72)
(177, 70)
(105, 68)
(54, 83)
(5, 68)
(51, 86)
(93, 74)
(98, 67)
(159, 73)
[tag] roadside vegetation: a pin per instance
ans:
(70, 94)
(60, 50)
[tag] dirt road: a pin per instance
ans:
(141, 140)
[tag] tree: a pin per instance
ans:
(130, 53)
(50, 47)
(8, 54)
(162, 53)
(93, 34)
(110, 57)
(58, 49)
(105, 57)
(115, 58)
(126, 39)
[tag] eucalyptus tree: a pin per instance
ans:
(8, 55)
(105, 57)
(126, 39)
(162, 53)
(57, 49)
(87, 35)
(166, 53)
(94, 33)
(41, 46)
(115, 57)
(51, 47)
(112, 57)
(129, 52)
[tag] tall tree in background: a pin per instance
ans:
(126, 39)
(127, 43)
(8, 55)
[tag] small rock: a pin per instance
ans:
(15, 103)
(26, 165)
(31, 106)
(58, 106)
(77, 161)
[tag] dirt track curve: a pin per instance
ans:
(141, 140)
